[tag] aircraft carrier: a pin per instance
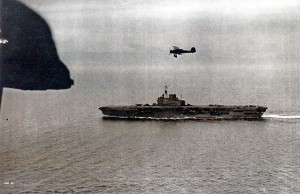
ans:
(170, 107)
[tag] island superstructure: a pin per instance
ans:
(171, 107)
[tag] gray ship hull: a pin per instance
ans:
(210, 112)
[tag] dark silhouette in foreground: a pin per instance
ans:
(29, 59)
(177, 51)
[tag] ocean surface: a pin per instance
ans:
(57, 141)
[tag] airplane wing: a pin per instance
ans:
(26, 66)
(175, 47)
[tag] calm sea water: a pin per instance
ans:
(57, 141)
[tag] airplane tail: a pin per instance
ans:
(193, 50)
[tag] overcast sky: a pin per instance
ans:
(223, 31)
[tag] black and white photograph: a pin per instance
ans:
(150, 96)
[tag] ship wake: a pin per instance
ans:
(275, 116)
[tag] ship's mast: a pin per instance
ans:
(166, 90)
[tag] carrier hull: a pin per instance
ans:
(210, 112)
